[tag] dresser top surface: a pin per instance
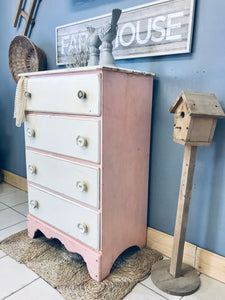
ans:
(86, 69)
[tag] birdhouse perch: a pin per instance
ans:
(195, 118)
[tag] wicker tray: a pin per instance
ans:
(25, 56)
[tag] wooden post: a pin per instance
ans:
(194, 125)
(182, 210)
(26, 16)
(18, 11)
(172, 276)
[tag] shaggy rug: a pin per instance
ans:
(67, 271)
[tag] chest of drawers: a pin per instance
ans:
(87, 135)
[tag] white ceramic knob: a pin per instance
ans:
(82, 227)
(30, 132)
(81, 141)
(34, 203)
(81, 95)
(27, 95)
(32, 169)
(81, 186)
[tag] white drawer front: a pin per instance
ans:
(65, 94)
(74, 137)
(75, 220)
(63, 176)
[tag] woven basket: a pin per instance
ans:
(25, 56)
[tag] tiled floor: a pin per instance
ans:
(17, 282)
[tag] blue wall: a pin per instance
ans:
(202, 70)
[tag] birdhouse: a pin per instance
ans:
(195, 117)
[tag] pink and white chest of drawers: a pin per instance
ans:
(87, 151)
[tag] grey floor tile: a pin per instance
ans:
(22, 208)
(2, 254)
(14, 198)
(209, 289)
(6, 189)
(13, 276)
(38, 289)
(3, 206)
(12, 230)
(9, 217)
(141, 292)
(148, 283)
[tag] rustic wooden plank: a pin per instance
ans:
(15, 180)
(199, 104)
(29, 19)
(18, 12)
(210, 264)
(207, 262)
(24, 14)
(156, 28)
(212, 130)
(163, 243)
(27, 16)
(182, 210)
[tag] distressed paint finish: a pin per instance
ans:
(63, 175)
(47, 130)
(90, 256)
(157, 28)
(174, 73)
(124, 139)
(65, 87)
(125, 160)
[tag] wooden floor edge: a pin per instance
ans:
(15, 180)
(204, 261)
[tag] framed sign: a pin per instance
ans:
(157, 28)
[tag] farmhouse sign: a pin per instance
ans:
(157, 28)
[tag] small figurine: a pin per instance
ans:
(107, 35)
(94, 44)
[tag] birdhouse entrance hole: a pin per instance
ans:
(182, 114)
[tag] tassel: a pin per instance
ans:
(20, 101)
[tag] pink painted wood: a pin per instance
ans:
(90, 256)
(126, 119)
(125, 143)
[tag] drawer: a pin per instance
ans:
(71, 179)
(74, 137)
(73, 219)
(73, 94)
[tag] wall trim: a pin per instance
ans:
(15, 180)
(204, 261)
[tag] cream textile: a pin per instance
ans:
(20, 101)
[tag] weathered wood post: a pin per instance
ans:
(195, 121)
(183, 209)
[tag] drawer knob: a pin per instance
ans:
(81, 186)
(32, 169)
(81, 95)
(30, 132)
(27, 95)
(34, 203)
(82, 227)
(81, 141)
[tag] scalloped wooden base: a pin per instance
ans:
(98, 267)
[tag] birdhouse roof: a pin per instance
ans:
(199, 104)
